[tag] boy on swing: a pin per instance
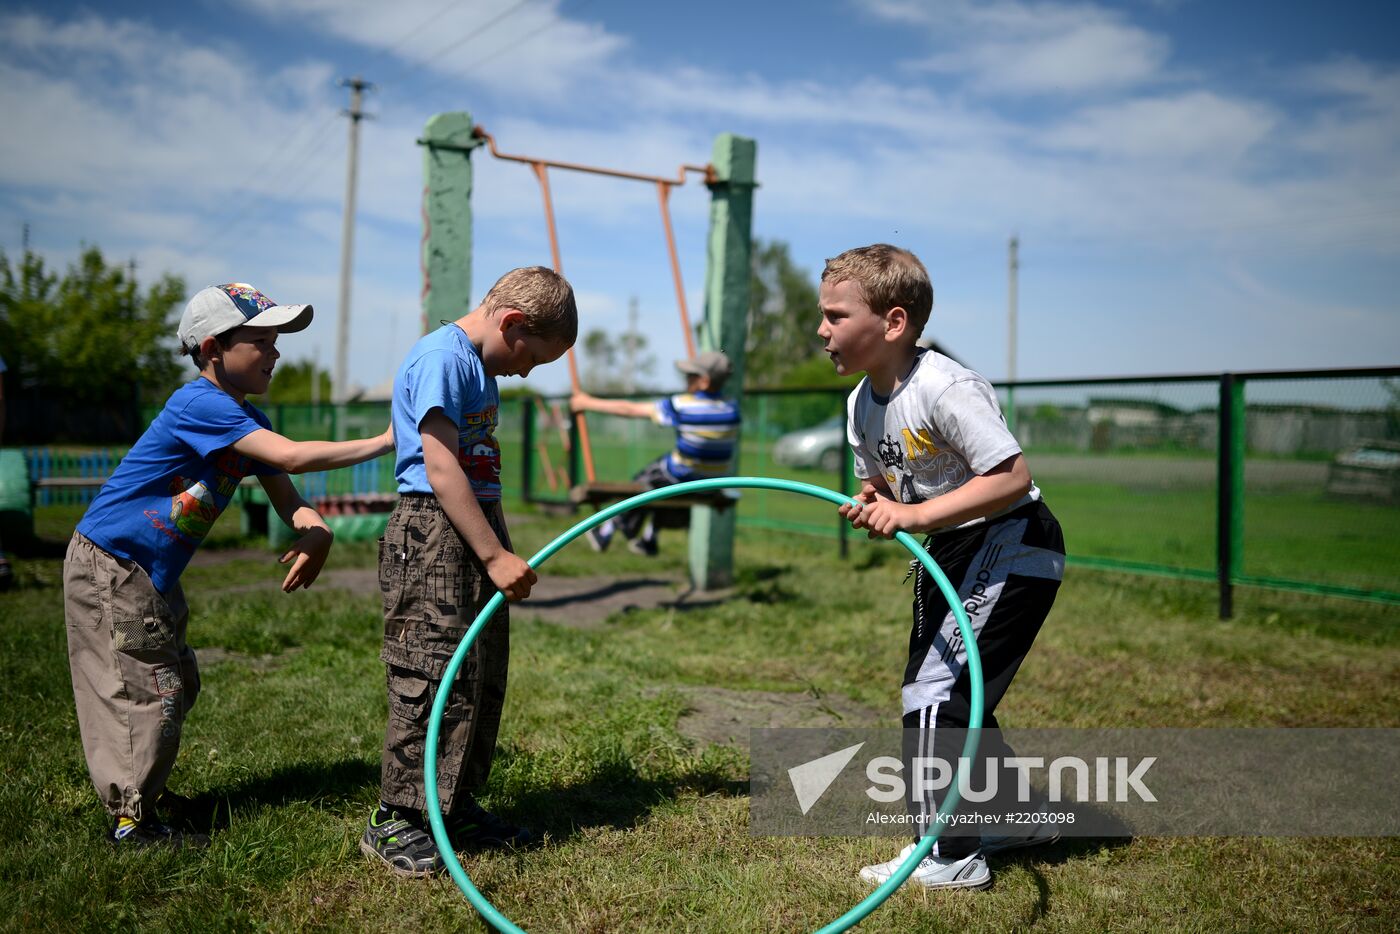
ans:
(707, 434)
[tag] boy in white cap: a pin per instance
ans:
(707, 434)
(134, 678)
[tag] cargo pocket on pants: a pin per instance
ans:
(410, 696)
(136, 634)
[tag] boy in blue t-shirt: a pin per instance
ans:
(134, 678)
(445, 553)
(707, 438)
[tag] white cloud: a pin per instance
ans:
(1010, 47)
(1175, 129)
(152, 152)
(534, 49)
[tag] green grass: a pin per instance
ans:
(648, 830)
(1145, 508)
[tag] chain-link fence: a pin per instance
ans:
(1302, 493)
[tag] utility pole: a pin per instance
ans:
(357, 86)
(1012, 265)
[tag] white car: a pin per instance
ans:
(823, 446)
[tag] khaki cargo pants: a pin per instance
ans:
(134, 678)
(433, 588)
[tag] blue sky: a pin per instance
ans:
(1196, 186)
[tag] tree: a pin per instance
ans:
(89, 336)
(605, 368)
(782, 333)
(291, 383)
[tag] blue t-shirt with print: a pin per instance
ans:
(164, 496)
(444, 371)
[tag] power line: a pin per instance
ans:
(456, 43)
(273, 153)
(389, 50)
(299, 161)
(480, 63)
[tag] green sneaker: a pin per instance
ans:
(398, 840)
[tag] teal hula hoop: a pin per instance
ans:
(870, 902)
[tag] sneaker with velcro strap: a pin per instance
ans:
(472, 826)
(398, 839)
(935, 872)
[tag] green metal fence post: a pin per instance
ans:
(1239, 439)
(848, 472)
(725, 327)
(1229, 489)
(575, 453)
(447, 218)
(527, 449)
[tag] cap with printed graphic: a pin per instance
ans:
(711, 363)
(221, 308)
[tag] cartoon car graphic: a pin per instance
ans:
(193, 509)
(482, 463)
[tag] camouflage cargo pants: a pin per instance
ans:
(433, 588)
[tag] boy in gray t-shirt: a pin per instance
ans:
(934, 455)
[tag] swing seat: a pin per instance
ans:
(672, 513)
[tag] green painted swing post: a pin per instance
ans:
(446, 251)
(725, 326)
(446, 262)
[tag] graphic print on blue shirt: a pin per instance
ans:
(479, 452)
(443, 371)
(164, 497)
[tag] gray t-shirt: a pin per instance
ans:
(939, 428)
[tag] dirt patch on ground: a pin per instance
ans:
(579, 602)
(587, 602)
(724, 717)
(359, 581)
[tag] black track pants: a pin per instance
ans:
(1007, 573)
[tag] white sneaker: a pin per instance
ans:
(936, 872)
(1040, 834)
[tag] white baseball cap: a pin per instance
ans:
(221, 308)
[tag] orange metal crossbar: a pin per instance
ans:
(706, 170)
(663, 190)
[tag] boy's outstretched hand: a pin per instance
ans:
(307, 555)
(512, 575)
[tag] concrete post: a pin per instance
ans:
(725, 327)
(446, 255)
